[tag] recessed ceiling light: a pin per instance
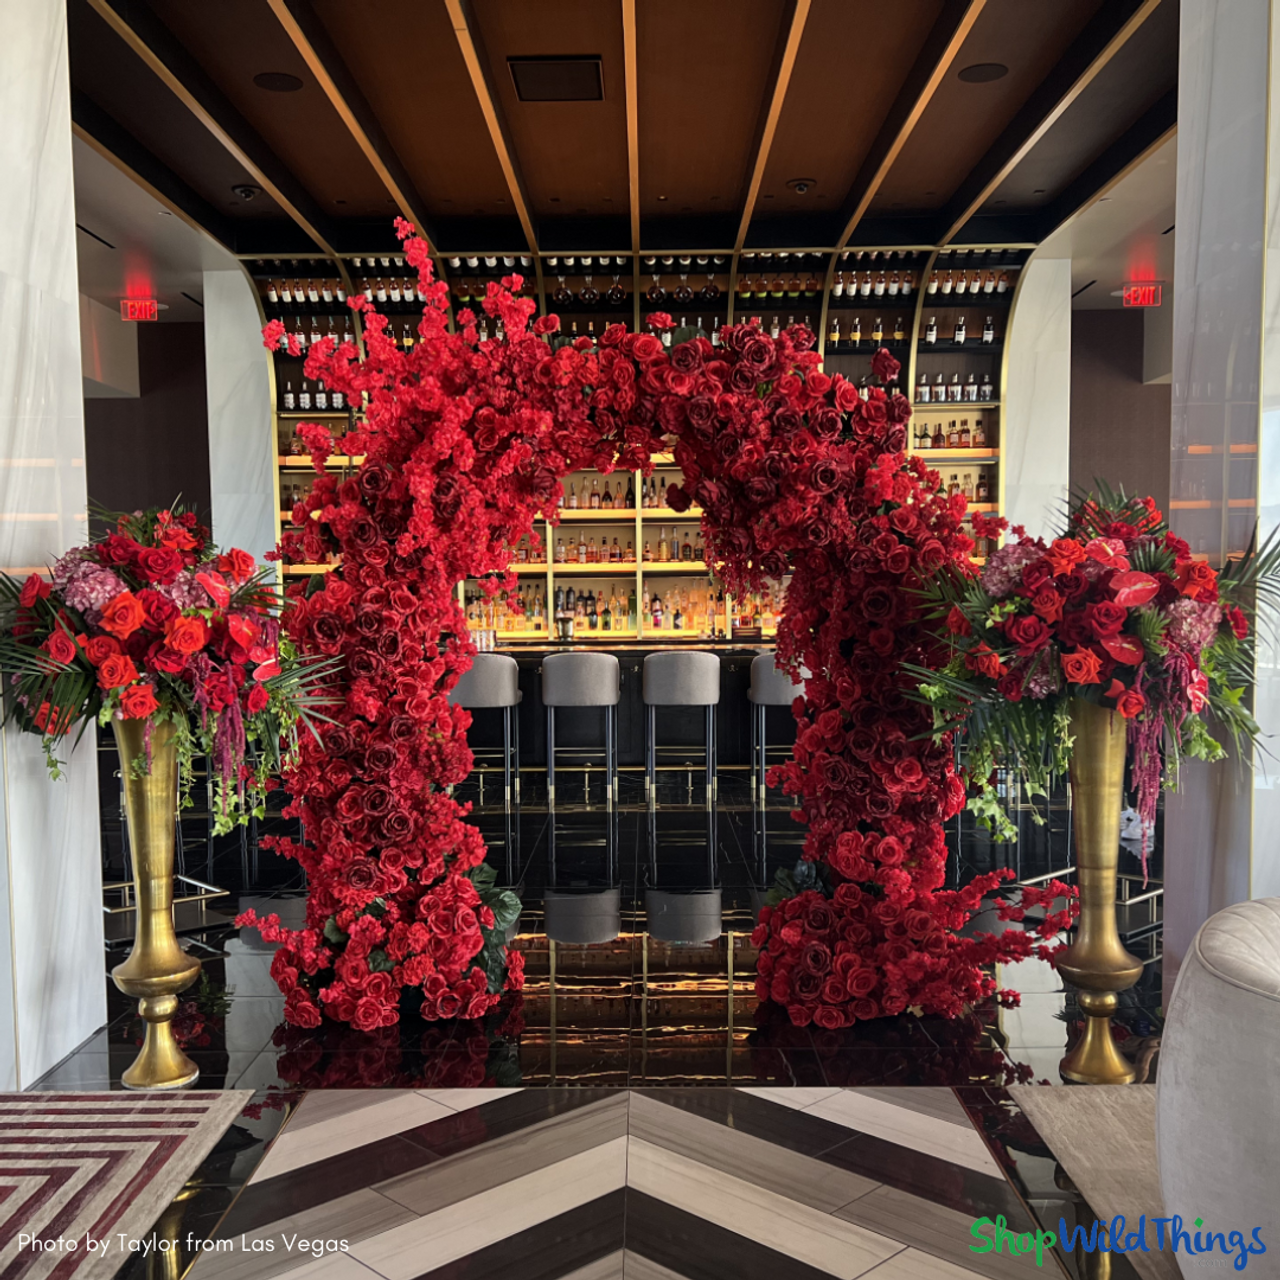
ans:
(165, 213)
(277, 82)
(662, 197)
(1039, 191)
(984, 72)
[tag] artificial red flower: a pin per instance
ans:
(1082, 667)
(60, 647)
(138, 702)
(33, 589)
(99, 648)
(1197, 580)
(1130, 703)
(985, 661)
(123, 615)
(1134, 588)
(1239, 623)
(186, 634)
(237, 565)
(117, 670)
(957, 623)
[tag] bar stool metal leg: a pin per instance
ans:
(651, 754)
(762, 748)
(515, 735)
(710, 733)
(610, 760)
(506, 757)
(551, 757)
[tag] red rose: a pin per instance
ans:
(100, 648)
(1239, 623)
(1028, 632)
(138, 702)
(123, 615)
(984, 661)
(1082, 667)
(957, 623)
(1064, 555)
(885, 367)
(186, 635)
(1197, 581)
(237, 565)
(1106, 618)
(1130, 703)
(35, 588)
(60, 647)
(116, 671)
(1048, 604)
(257, 699)
(159, 564)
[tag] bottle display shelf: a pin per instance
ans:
(957, 455)
(949, 406)
(976, 347)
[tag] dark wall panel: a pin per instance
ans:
(145, 452)
(1119, 425)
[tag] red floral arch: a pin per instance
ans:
(466, 443)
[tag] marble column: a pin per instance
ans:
(1035, 445)
(1220, 825)
(241, 448)
(52, 988)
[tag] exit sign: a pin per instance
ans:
(148, 309)
(1142, 295)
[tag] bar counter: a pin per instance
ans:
(583, 727)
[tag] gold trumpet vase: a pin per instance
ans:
(1097, 963)
(157, 967)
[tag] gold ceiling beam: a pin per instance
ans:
(769, 125)
(312, 41)
(1106, 34)
(471, 44)
(630, 75)
(936, 58)
(182, 75)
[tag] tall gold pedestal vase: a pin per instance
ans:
(1097, 963)
(157, 967)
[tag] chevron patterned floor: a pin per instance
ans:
(601, 1184)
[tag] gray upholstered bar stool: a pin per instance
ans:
(680, 680)
(493, 682)
(583, 680)
(769, 688)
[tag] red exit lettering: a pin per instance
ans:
(1143, 295)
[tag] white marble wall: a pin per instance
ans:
(108, 353)
(1220, 844)
(52, 993)
(241, 448)
(1036, 424)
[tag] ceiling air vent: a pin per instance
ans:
(576, 79)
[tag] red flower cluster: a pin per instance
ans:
(164, 624)
(796, 471)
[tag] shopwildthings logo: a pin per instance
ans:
(1102, 1237)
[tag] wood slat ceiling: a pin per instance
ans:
(717, 99)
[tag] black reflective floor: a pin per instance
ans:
(616, 994)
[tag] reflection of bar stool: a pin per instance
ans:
(688, 914)
(582, 680)
(680, 680)
(769, 688)
(579, 913)
(493, 681)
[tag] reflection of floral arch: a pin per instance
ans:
(466, 443)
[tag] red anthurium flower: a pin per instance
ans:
(1133, 588)
(1126, 649)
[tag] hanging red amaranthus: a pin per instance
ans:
(465, 445)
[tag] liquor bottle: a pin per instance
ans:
(593, 552)
(954, 487)
(606, 498)
(989, 330)
(979, 434)
(339, 290)
(593, 617)
(630, 502)
(657, 612)
(988, 281)
(933, 282)
(588, 295)
(573, 495)
(895, 284)
(629, 555)
(880, 285)
(939, 390)
(1002, 282)
(289, 402)
(338, 400)
(709, 291)
(322, 398)
(595, 494)
(615, 553)
(939, 439)
(380, 291)
(795, 285)
(774, 328)
(699, 554)
(655, 292)
(715, 332)
(864, 287)
(877, 331)
(315, 331)
(606, 614)
(273, 294)
(922, 389)
(931, 332)
(983, 491)
(296, 447)
(986, 392)
(959, 336)
(971, 388)
(962, 282)
(966, 437)
(304, 397)
(582, 548)
(947, 283)
(908, 283)
(393, 290)
(683, 292)
(570, 601)
(326, 293)
(924, 440)
(833, 334)
(855, 332)
(631, 609)
(746, 287)
(647, 553)
(953, 435)
(899, 330)
(666, 335)
(686, 548)
(837, 286)
(615, 294)
(664, 547)
(286, 294)
(954, 389)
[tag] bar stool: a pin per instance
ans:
(584, 912)
(582, 680)
(493, 682)
(769, 687)
(680, 680)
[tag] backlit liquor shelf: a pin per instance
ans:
(943, 314)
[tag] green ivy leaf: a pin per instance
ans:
(380, 962)
(332, 933)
